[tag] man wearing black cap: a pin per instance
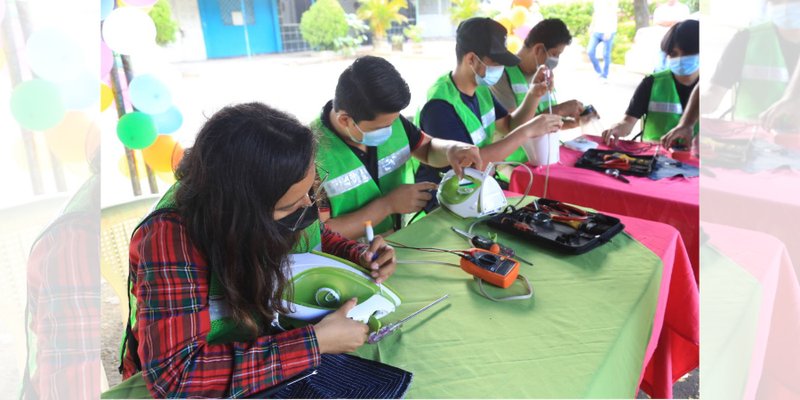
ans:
(461, 107)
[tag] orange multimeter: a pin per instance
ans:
(493, 268)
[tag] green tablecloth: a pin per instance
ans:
(584, 333)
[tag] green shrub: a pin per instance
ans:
(166, 26)
(323, 23)
(578, 17)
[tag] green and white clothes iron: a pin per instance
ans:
(322, 283)
(476, 195)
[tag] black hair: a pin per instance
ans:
(245, 158)
(371, 86)
(684, 35)
(551, 32)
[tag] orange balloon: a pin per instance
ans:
(523, 3)
(68, 140)
(164, 154)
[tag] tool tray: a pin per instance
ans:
(594, 159)
(595, 230)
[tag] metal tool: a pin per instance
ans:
(483, 242)
(614, 173)
(375, 337)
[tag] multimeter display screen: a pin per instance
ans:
(493, 263)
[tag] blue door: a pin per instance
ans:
(234, 28)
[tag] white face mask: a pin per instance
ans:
(784, 16)
(492, 75)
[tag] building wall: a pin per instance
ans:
(190, 44)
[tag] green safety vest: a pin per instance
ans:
(223, 329)
(520, 86)
(481, 131)
(664, 109)
(764, 74)
(349, 186)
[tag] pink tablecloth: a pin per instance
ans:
(673, 201)
(766, 202)
(674, 344)
(751, 315)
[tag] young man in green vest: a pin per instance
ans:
(758, 65)
(366, 148)
(543, 46)
(662, 97)
(461, 107)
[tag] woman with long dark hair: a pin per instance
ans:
(208, 267)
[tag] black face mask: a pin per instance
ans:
(299, 220)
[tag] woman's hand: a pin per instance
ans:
(379, 260)
(678, 135)
(338, 334)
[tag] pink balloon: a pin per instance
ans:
(522, 31)
(140, 3)
(106, 59)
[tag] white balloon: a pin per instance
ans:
(53, 55)
(129, 30)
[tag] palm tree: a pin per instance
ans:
(381, 14)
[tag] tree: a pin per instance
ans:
(641, 13)
(380, 14)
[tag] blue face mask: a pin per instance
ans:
(685, 65)
(373, 138)
(492, 75)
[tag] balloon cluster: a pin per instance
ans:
(128, 30)
(518, 20)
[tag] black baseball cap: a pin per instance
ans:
(486, 38)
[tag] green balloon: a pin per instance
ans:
(36, 105)
(137, 130)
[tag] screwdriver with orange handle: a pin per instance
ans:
(484, 243)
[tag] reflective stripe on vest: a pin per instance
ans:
(480, 130)
(764, 74)
(671, 108)
(392, 162)
(519, 85)
(349, 181)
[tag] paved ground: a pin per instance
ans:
(301, 83)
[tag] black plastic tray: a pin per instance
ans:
(593, 159)
(600, 229)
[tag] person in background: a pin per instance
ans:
(603, 29)
(208, 267)
(757, 64)
(461, 107)
(367, 147)
(661, 97)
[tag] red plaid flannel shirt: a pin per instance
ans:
(171, 282)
